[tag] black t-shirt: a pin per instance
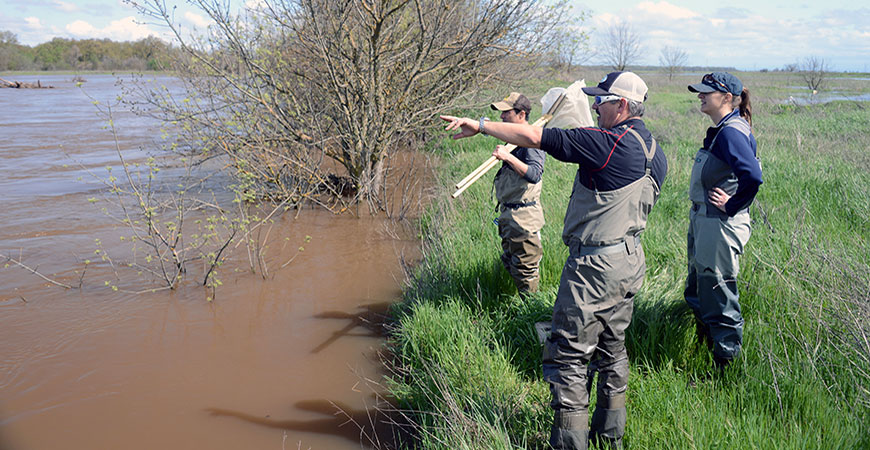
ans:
(609, 158)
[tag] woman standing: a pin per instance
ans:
(725, 178)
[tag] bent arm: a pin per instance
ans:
(502, 154)
(738, 151)
(527, 163)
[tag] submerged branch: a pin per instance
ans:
(34, 271)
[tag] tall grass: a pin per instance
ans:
(468, 363)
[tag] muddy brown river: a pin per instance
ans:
(267, 364)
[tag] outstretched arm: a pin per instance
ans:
(521, 135)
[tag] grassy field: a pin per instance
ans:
(467, 363)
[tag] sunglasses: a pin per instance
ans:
(600, 99)
(708, 79)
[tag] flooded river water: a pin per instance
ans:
(265, 365)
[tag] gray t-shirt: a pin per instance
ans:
(533, 158)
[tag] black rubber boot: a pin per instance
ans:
(608, 426)
(702, 333)
(570, 431)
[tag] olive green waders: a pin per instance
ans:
(714, 244)
(593, 308)
(519, 223)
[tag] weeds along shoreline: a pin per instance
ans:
(466, 365)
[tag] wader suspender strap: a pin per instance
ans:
(737, 121)
(506, 205)
(648, 152)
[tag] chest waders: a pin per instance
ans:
(519, 223)
(593, 308)
(715, 242)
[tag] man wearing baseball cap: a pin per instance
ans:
(620, 171)
(518, 192)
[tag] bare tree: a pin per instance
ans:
(813, 70)
(286, 87)
(571, 45)
(621, 46)
(673, 60)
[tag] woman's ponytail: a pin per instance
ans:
(746, 106)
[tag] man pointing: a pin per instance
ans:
(620, 171)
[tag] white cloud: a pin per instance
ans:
(33, 23)
(197, 20)
(64, 6)
(80, 28)
(605, 20)
(742, 38)
(125, 29)
(668, 10)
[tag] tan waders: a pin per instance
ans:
(593, 308)
(714, 245)
(521, 256)
(519, 223)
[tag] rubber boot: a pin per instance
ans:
(720, 311)
(608, 426)
(570, 431)
(608, 421)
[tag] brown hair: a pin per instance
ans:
(745, 105)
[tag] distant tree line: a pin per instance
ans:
(149, 53)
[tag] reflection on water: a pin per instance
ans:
(267, 364)
(825, 97)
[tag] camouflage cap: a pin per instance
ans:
(513, 101)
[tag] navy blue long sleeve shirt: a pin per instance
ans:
(738, 151)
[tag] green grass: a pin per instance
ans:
(467, 363)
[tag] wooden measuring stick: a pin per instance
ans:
(475, 172)
(493, 161)
(481, 171)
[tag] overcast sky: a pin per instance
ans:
(746, 34)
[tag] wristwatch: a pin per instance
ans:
(482, 131)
